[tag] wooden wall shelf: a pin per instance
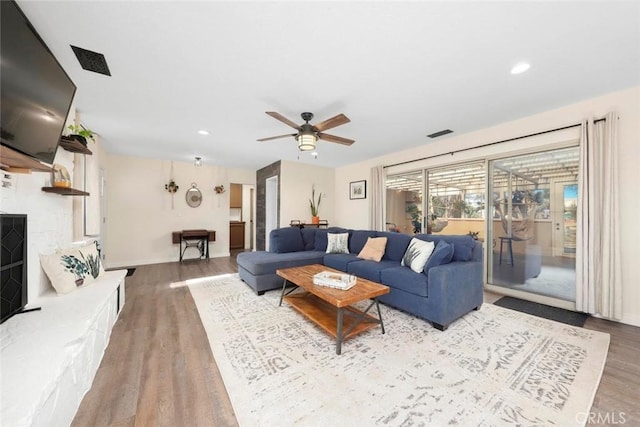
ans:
(74, 146)
(15, 162)
(64, 191)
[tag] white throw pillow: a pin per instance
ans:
(338, 243)
(417, 254)
(70, 268)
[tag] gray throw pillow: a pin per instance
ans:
(338, 243)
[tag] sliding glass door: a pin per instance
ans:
(457, 200)
(404, 203)
(532, 229)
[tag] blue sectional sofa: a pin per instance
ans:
(441, 294)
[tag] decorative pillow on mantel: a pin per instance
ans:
(68, 269)
(417, 254)
(373, 250)
(337, 243)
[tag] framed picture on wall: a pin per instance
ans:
(358, 190)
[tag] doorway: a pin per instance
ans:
(564, 218)
(271, 207)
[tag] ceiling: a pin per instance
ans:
(398, 70)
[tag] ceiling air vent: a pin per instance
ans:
(91, 61)
(442, 132)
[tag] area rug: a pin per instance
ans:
(492, 367)
(541, 310)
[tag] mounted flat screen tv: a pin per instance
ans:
(36, 93)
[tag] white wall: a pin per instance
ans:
(140, 218)
(49, 217)
(296, 180)
(355, 214)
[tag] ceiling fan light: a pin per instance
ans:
(306, 141)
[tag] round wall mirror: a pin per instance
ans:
(194, 196)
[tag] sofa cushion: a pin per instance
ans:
(258, 263)
(442, 254)
(462, 245)
(339, 261)
(370, 269)
(308, 237)
(373, 250)
(286, 239)
(417, 254)
(405, 279)
(320, 242)
(358, 239)
(397, 244)
(337, 243)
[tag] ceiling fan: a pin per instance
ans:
(309, 134)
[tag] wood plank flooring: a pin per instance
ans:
(158, 369)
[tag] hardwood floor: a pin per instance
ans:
(158, 369)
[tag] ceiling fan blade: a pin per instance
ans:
(333, 138)
(276, 137)
(283, 119)
(335, 121)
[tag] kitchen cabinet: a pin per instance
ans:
(236, 235)
(235, 198)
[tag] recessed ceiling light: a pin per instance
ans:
(203, 132)
(520, 68)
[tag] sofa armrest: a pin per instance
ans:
(454, 289)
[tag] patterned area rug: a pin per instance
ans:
(492, 367)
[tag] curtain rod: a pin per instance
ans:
(451, 153)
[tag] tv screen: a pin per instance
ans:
(36, 93)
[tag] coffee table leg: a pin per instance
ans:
(379, 315)
(339, 337)
(284, 286)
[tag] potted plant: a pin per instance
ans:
(314, 205)
(80, 133)
(171, 187)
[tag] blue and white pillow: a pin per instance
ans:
(417, 254)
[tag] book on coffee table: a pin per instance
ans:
(330, 279)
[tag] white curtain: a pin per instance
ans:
(598, 270)
(377, 198)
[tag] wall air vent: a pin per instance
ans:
(91, 61)
(442, 132)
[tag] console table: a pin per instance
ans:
(194, 239)
(322, 224)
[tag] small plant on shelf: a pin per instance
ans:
(80, 133)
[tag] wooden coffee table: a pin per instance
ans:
(331, 308)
